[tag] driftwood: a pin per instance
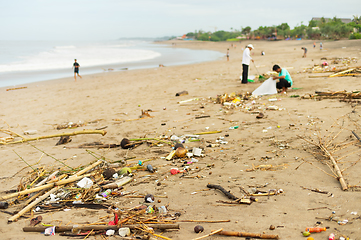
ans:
(212, 233)
(246, 234)
(33, 204)
(335, 166)
(338, 172)
(100, 227)
(342, 73)
(211, 132)
(332, 95)
(220, 188)
(102, 132)
(46, 186)
(118, 183)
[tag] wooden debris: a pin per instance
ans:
(268, 167)
(101, 227)
(102, 132)
(183, 93)
(333, 95)
(17, 88)
(220, 188)
(31, 205)
(212, 233)
(246, 234)
(118, 183)
(63, 140)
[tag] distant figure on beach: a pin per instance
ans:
(314, 44)
(285, 80)
(304, 51)
(245, 62)
(321, 45)
(76, 69)
(227, 54)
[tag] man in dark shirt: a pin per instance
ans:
(76, 69)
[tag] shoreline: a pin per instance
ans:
(114, 100)
(166, 58)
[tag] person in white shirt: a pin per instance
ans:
(245, 62)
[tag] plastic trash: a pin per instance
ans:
(123, 232)
(268, 87)
(331, 236)
(315, 229)
(110, 232)
(106, 193)
(50, 231)
(150, 209)
(162, 210)
(174, 171)
(235, 127)
(85, 183)
(197, 152)
(150, 168)
(30, 132)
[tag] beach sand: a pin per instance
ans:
(111, 98)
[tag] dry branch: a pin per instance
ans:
(338, 171)
(33, 204)
(102, 132)
(46, 186)
(100, 227)
(246, 234)
(220, 188)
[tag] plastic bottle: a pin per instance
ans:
(315, 229)
(331, 236)
(106, 193)
(235, 127)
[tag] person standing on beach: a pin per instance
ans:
(227, 54)
(321, 45)
(76, 69)
(285, 80)
(245, 62)
(314, 44)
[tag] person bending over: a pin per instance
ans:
(285, 80)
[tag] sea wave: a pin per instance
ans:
(89, 56)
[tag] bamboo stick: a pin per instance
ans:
(87, 169)
(211, 132)
(212, 233)
(86, 131)
(47, 178)
(33, 204)
(46, 186)
(338, 171)
(246, 234)
(340, 73)
(100, 227)
(118, 183)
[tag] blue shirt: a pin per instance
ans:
(287, 75)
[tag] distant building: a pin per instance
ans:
(344, 20)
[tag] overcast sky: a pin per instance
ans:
(113, 19)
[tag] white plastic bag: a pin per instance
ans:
(85, 183)
(268, 87)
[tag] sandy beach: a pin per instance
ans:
(114, 100)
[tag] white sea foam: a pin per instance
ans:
(62, 57)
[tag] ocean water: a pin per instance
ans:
(24, 62)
